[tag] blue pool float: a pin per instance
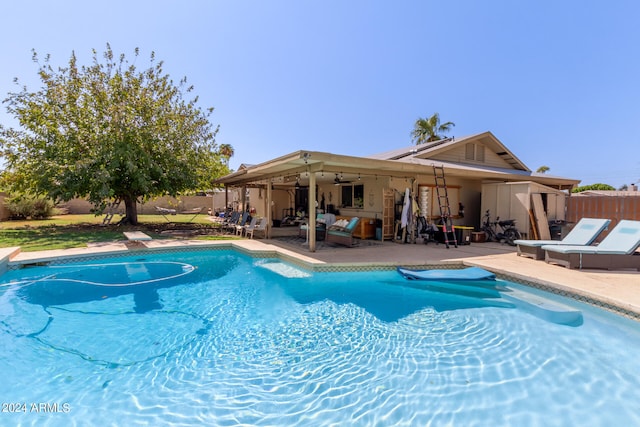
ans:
(470, 273)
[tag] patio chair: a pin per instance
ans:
(230, 218)
(261, 227)
(341, 232)
(584, 233)
(241, 229)
(322, 222)
(616, 251)
(232, 221)
(241, 222)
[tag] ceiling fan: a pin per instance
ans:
(338, 180)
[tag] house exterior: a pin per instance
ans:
(372, 187)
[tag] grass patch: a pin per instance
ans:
(73, 231)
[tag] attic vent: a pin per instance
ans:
(474, 152)
(470, 151)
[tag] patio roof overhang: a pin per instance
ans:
(286, 170)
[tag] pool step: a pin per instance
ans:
(284, 270)
(546, 309)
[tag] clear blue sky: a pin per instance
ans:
(558, 82)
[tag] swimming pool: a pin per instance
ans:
(235, 340)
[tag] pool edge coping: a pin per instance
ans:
(13, 258)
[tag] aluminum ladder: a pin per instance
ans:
(111, 210)
(445, 208)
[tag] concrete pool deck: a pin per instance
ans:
(615, 290)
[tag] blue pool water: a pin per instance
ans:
(232, 340)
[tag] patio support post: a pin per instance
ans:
(268, 209)
(311, 228)
(244, 198)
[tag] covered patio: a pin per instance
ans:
(369, 187)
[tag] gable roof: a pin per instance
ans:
(500, 165)
(433, 150)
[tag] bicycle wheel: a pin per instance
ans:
(510, 235)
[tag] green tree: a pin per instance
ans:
(227, 152)
(605, 187)
(109, 132)
(430, 129)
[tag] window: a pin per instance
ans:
(353, 196)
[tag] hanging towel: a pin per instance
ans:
(404, 220)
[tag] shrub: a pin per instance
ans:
(23, 207)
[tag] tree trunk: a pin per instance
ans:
(131, 216)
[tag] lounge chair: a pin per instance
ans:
(341, 231)
(616, 251)
(231, 218)
(241, 222)
(261, 227)
(240, 230)
(233, 221)
(584, 233)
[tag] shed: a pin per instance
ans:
(525, 202)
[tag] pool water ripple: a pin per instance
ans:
(232, 344)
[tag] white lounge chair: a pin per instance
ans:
(583, 233)
(240, 230)
(261, 227)
(616, 251)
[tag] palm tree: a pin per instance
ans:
(427, 130)
(543, 169)
(226, 151)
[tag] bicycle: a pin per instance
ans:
(509, 233)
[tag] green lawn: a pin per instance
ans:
(72, 231)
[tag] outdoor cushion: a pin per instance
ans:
(623, 239)
(340, 233)
(352, 223)
(339, 224)
(584, 233)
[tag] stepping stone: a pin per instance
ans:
(136, 235)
